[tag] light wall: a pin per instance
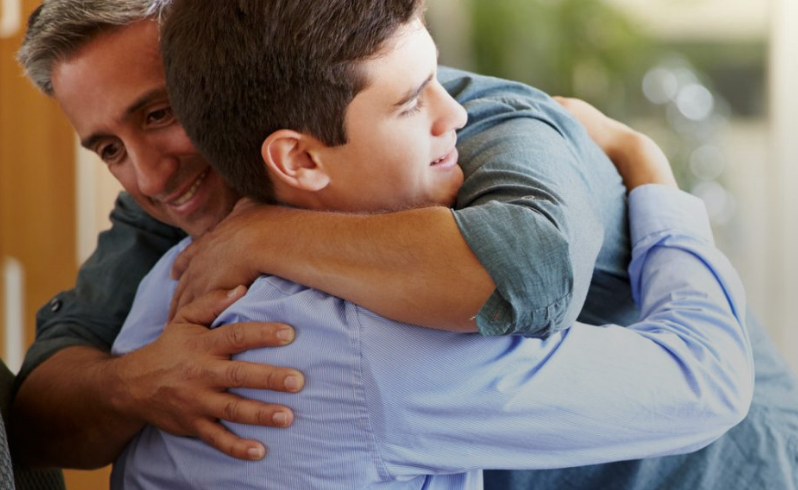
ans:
(783, 210)
(95, 195)
(723, 20)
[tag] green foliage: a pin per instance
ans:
(581, 48)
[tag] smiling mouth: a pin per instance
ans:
(191, 191)
(445, 158)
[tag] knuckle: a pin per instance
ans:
(236, 377)
(236, 336)
(213, 439)
(231, 411)
(194, 344)
(192, 426)
(192, 372)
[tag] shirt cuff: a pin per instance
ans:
(655, 209)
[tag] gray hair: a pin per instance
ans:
(57, 29)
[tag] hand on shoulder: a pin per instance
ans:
(638, 159)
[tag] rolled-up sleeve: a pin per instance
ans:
(527, 208)
(93, 311)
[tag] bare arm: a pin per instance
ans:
(49, 429)
(80, 407)
(390, 263)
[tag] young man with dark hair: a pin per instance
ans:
(511, 203)
(388, 404)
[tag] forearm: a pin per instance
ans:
(66, 412)
(412, 266)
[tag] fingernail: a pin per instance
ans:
(256, 453)
(280, 418)
(233, 292)
(286, 334)
(292, 383)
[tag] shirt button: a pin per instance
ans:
(55, 305)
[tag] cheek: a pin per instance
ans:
(176, 139)
(393, 137)
(126, 176)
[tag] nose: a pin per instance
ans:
(449, 114)
(154, 167)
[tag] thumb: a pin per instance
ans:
(183, 260)
(205, 309)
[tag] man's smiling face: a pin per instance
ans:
(114, 92)
(401, 132)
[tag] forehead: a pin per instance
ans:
(407, 58)
(103, 77)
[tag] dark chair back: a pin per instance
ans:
(14, 476)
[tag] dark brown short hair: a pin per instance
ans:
(238, 70)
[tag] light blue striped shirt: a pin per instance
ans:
(388, 405)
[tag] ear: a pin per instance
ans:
(291, 156)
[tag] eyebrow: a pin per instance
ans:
(133, 108)
(413, 93)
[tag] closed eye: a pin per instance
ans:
(415, 109)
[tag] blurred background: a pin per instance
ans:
(712, 81)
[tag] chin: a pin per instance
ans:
(451, 199)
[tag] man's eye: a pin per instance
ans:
(160, 116)
(110, 153)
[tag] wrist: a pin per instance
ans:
(626, 145)
(117, 378)
(640, 161)
(257, 245)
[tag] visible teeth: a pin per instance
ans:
(192, 190)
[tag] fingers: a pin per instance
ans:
(227, 340)
(232, 408)
(179, 298)
(249, 412)
(576, 106)
(242, 411)
(217, 436)
(240, 374)
(183, 259)
(233, 338)
(610, 135)
(566, 102)
(204, 310)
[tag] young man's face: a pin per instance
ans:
(114, 92)
(400, 151)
